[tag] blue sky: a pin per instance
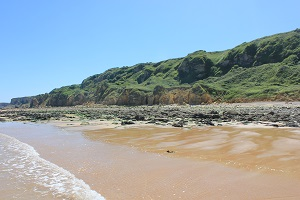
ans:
(49, 44)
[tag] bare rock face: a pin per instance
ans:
(34, 103)
(73, 100)
(131, 97)
(192, 69)
(20, 101)
(246, 58)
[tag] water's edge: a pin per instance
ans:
(22, 169)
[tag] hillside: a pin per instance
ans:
(2, 105)
(264, 69)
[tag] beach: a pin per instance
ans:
(143, 161)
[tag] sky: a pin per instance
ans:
(49, 44)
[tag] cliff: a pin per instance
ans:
(2, 105)
(264, 69)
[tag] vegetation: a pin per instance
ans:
(264, 69)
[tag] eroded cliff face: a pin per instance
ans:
(128, 97)
(160, 95)
(25, 101)
(194, 68)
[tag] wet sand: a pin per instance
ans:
(233, 162)
(208, 163)
(262, 149)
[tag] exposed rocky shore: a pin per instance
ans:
(278, 114)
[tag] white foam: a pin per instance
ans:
(24, 162)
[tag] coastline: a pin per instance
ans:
(134, 155)
(120, 171)
(276, 114)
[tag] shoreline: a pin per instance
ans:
(190, 161)
(276, 114)
(160, 175)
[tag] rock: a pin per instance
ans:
(275, 125)
(129, 122)
(231, 112)
(192, 69)
(271, 113)
(292, 124)
(84, 123)
(169, 151)
(200, 115)
(213, 112)
(215, 116)
(165, 120)
(139, 118)
(178, 124)
(210, 123)
(250, 119)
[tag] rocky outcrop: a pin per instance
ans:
(277, 115)
(21, 101)
(129, 97)
(238, 57)
(132, 97)
(194, 68)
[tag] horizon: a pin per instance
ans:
(47, 45)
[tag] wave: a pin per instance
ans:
(23, 162)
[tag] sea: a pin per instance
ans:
(24, 174)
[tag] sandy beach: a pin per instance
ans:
(210, 162)
(147, 161)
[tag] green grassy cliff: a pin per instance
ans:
(264, 69)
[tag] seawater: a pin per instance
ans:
(24, 174)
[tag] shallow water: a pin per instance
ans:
(113, 163)
(26, 175)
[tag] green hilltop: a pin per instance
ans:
(264, 69)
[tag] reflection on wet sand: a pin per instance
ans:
(267, 150)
